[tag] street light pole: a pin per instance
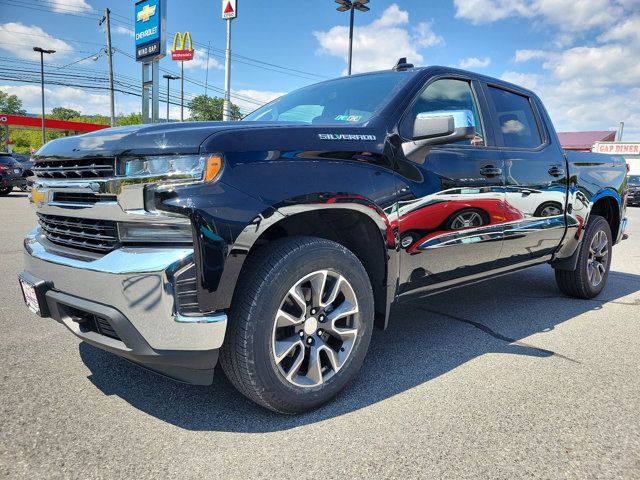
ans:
(351, 6)
(42, 52)
(169, 78)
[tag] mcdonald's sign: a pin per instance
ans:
(181, 53)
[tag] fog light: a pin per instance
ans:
(154, 233)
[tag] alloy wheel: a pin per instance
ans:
(466, 220)
(598, 258)
(315, 328)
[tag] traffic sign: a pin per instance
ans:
(229, 9)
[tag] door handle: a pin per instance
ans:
(490, 171)
(556, 171)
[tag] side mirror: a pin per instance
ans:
(444, 126)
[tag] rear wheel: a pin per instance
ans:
(300, 326)
(594, 262)
(4, 191)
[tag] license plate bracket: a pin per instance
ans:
(34, 292)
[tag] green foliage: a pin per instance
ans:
(210, 108)
(61, 113)
(131, 119)
(11, 104)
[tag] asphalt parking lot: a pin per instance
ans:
(503, 379)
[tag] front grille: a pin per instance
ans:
(186, 291)
(76, 169)
(86, 234)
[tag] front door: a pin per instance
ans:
(451, 207)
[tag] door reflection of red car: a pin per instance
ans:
(454, 215)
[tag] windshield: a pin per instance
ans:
(344, 101)
(7, 160)
(635, 179)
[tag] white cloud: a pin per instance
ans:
(124, 30)
(378, 45)
(13, 39)
(474, 62)
(526, 55)
(590, 87)
(260, 96)
(66, 6)
(200, 60)
(574, 16)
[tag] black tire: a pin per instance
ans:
(4, 191)
(247, 356)
(449, 224)
(576, 283)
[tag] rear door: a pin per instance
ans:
(534, 175)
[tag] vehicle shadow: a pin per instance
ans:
(426, 338)
(16, 195)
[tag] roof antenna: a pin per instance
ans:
(402, 65)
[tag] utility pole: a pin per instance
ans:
(42, 52)
(226, 109)
(206, 78)
(107, 18)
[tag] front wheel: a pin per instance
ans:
(4, 191)
(594, 262)
(300, 324)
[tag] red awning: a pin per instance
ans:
(50, 124)
(584, 140)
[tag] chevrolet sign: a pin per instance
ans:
(150, 30)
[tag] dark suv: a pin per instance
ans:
(11, 174)
(633, 198)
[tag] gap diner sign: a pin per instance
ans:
(181, 53)
(617, 148)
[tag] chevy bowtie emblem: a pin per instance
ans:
(146, 13)
(37, 197)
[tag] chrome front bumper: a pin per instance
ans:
(134, 282)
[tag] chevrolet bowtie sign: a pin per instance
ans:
(150, 29)
(178, 52)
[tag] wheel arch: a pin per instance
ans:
(361, 229)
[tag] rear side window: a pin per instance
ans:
(516, 121)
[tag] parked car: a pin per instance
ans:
(274, 244)
(11, 174)
(633, 198)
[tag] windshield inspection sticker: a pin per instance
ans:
(349, 118)
(344, 136)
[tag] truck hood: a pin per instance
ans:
(156, 139)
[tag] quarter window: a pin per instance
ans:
(517, 124)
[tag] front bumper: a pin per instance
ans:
(132, 289)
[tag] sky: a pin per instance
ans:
(582, 57)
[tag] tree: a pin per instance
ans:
(131, 119)
(10, 104)
(61, 113)
(210, 108)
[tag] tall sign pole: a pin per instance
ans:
(150, 41)
(180, 53)
(229, 12)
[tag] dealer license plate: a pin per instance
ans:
(30, 297)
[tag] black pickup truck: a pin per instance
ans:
(277, 243)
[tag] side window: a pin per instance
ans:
(516, 121)
(448, 95)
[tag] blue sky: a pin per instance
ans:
(582, 56)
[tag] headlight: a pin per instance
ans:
(179, 167)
